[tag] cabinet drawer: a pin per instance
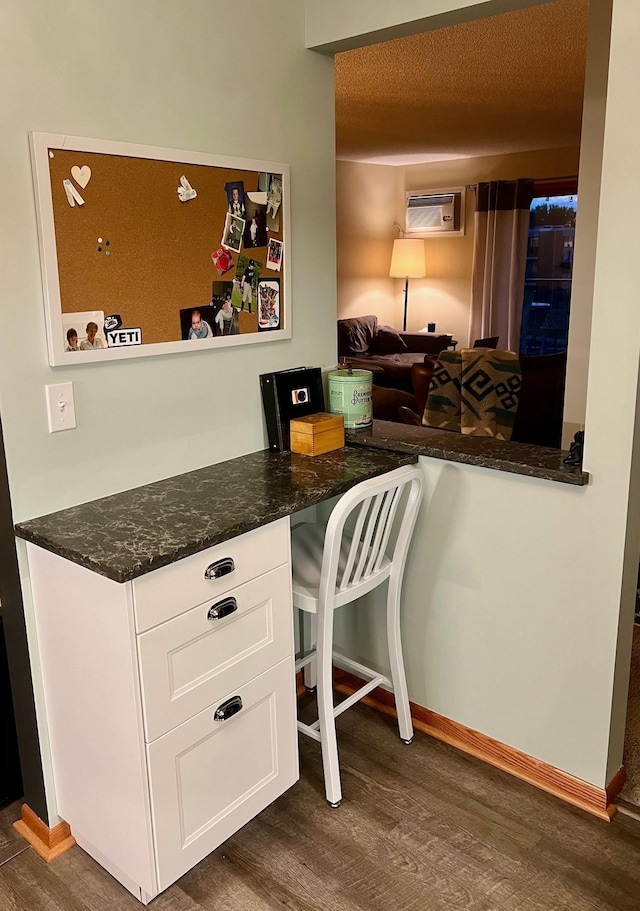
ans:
(209, 777)
(191, 661)
(172, 590)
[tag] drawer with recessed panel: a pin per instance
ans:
(192, 660)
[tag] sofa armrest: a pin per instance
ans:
(421, 380)
(421, 343)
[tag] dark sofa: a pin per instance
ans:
(364, 344)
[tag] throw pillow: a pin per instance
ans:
(474, 391)
(388, 340)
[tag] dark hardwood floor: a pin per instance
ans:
(422, 827)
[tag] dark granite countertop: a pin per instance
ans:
(128, 534)
(484, 452)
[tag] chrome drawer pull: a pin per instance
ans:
(220, 568)
(222, 609)
(228, 709)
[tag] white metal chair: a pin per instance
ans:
(331, 568)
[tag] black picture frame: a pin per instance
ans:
(289, 394)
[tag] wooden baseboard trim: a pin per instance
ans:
(48, 843)
(597, 801)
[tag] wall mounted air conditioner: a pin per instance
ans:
(433, 212)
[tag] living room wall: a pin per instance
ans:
(370, 198)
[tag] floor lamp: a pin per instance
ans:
(407, 261)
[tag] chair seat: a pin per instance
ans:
(307, 545)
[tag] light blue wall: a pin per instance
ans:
(204, 76)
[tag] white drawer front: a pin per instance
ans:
(172, 590)
(191, 661)
(208, 778)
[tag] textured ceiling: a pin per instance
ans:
(503, 84)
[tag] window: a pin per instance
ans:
(547, 284)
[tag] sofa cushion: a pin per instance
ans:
(356, 334)
(388, 340)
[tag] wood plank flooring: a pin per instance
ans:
(421, 828)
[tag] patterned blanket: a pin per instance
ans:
(474, 391)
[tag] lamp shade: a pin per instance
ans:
(407, 259)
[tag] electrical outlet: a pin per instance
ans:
(61, 411)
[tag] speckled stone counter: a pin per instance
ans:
(131, 533)
(484, 452)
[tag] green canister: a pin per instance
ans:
(350, 395)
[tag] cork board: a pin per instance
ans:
(170, 250)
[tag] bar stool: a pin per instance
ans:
(332, 567)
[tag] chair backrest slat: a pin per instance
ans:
(380, 527)
(351, 559)
(364, 544)
(396, 496)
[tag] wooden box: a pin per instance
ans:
(317, 433)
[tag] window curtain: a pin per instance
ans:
(501, 230)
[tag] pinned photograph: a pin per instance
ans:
(245, 290)
(255, 231)
(84, 330)
(232, 234)
(268, 304)
(226, 319)
(196, 322)
(274, 201)
(235, 198)
(274, 196)
(222, 260)
(274, 254)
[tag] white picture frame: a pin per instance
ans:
(42, 144)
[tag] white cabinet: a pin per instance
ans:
(170, 701)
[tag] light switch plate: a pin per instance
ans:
(61, 411)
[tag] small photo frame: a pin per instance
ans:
(233, 231)
(268, 304)
(274, 254)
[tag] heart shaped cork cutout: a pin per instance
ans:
(82, 175)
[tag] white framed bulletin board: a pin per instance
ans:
(146, 250)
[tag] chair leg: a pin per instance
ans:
(328, 738)
(310, 673)
(398, 676)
